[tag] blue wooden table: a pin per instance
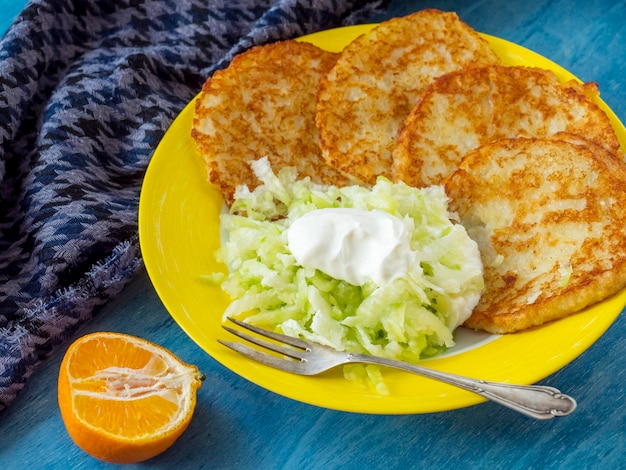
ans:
(240, 425)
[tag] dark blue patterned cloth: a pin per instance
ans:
(87, 90)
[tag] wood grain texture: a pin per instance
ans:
(238, 425)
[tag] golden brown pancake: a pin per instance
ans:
(263, 104)
(462, 110)
(548, 216)
(377, 79)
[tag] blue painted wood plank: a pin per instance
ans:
(9, 10)
(238, 425)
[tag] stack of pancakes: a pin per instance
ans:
(532, 165)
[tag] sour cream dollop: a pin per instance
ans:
(353, 245)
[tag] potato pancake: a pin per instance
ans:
(548, 216)
(465, 109)
(377, 79)
(263, 104)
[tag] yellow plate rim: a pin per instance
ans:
(179, 232)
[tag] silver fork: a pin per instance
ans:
(536, 401)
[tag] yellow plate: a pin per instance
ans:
(179, 232)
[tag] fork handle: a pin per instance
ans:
(536, 401)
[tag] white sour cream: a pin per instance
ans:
(354, 245)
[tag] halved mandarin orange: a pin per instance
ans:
(124, 399)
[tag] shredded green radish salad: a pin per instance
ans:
(411, 316)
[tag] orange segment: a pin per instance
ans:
(124, 399)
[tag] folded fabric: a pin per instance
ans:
(87, 90)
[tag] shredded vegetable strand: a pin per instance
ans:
(409, 318)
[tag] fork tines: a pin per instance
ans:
(296, 351)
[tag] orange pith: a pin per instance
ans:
(124, 399)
